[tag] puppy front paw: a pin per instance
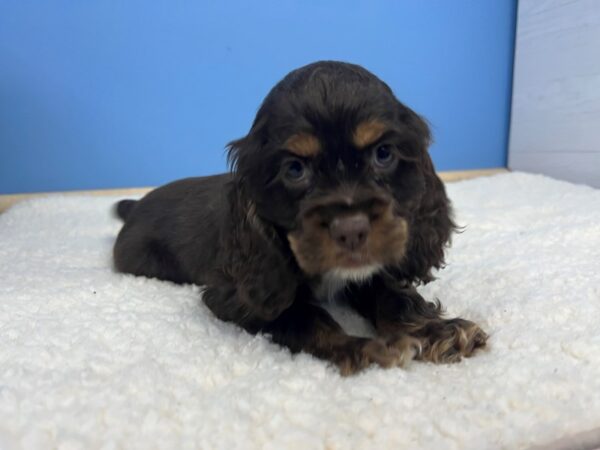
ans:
(392, 352)
(447, 341)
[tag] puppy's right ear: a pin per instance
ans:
(244, 154)
(255, 280)
(234, 149)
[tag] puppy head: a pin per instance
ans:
(340, 167)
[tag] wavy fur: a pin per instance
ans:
(262, 242)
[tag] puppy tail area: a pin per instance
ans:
(123, 208)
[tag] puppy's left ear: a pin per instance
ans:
(432, 223)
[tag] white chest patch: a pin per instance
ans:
(328, 296)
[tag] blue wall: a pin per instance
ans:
(102, 94)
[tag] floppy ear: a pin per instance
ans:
(256, 278)
(432, 225)
(244, 154)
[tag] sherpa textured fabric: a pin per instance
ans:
(94, 359)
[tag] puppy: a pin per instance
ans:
(332, 194)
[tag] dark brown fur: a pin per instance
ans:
(313, 195)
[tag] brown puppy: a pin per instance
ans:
(332, 194)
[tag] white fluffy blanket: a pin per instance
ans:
(94, 359)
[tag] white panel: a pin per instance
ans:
(572, 166)
(555, 118)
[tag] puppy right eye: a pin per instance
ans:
(295, 171)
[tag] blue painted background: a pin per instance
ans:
(103, 94)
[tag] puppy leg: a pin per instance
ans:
(402, 311)
(136, 253)
(442, 340)
(309, 328)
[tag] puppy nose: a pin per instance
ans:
(350, 232)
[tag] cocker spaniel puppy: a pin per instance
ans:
(332, 194)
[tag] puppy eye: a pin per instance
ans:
(295, 170)
(383, 157)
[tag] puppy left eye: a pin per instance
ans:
(295, 170)
(383, 157)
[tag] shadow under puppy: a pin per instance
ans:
(332, 194)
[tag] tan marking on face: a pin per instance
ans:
(388, 237)
(368, 132)
(317, 253)
(313, 248)
(303, 144)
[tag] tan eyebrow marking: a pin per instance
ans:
(368, 132)
(303, 144)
